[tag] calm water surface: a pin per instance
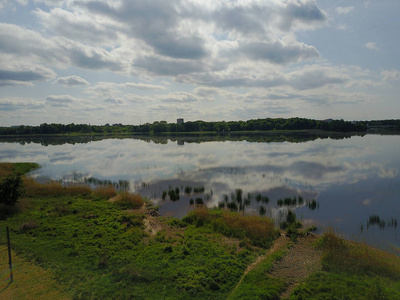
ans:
(355, 182)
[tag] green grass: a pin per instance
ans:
(98, 250)
(256, 230)
(352, 271)
(257, 284)
(21, 168)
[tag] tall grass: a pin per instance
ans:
(105, 192)
(129, 200)
(345, 256)
(259, 231)
(21, 168)
(53, 188)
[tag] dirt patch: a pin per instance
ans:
(152, 225)
(301, 260)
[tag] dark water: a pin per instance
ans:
(349, 183)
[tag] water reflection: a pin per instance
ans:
(338, 182)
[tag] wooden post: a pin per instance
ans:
(9, 255)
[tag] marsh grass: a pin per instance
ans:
(105, 192)
(129, 200)
(260, 231)
(351, 271)
(53, 188)
(357, 258)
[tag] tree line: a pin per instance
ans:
(157, 127)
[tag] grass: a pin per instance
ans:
(99, 249)
(352, 271)
(257, 284)
(259, 231)
(96, 249)
(30, 281)
(21, 168)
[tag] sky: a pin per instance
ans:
(132, 62)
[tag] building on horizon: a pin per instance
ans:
(179, 121)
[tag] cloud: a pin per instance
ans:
(372, 46)
(303, 13)
(23, 74)
(72, 81)
(180, 97)
(16, 103)
(390, 75)
(79, 26)
(341, 10)
(142, 86)
(278, 52)
(61, 100)
(29, 45)
(313, 78)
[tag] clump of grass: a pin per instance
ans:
(105, 192)
(129, 200)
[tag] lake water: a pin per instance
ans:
(354, 181)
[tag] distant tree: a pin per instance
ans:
(11, 189)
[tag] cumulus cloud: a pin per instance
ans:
(72, 81)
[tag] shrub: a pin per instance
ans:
(11, 188)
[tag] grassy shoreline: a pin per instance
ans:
(97, 248)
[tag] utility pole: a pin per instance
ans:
(9, 256)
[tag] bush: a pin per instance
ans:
(11, 188)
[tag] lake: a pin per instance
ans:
(350, 183)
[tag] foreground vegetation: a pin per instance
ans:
(103, 244)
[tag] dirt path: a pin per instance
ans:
(301, 260)
(278, 244)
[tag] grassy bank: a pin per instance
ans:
(98, 244)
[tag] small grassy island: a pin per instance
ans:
(80, 243)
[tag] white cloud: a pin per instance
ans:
(72, 81)
(372, 46)
(341, 10)
(390, 75)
